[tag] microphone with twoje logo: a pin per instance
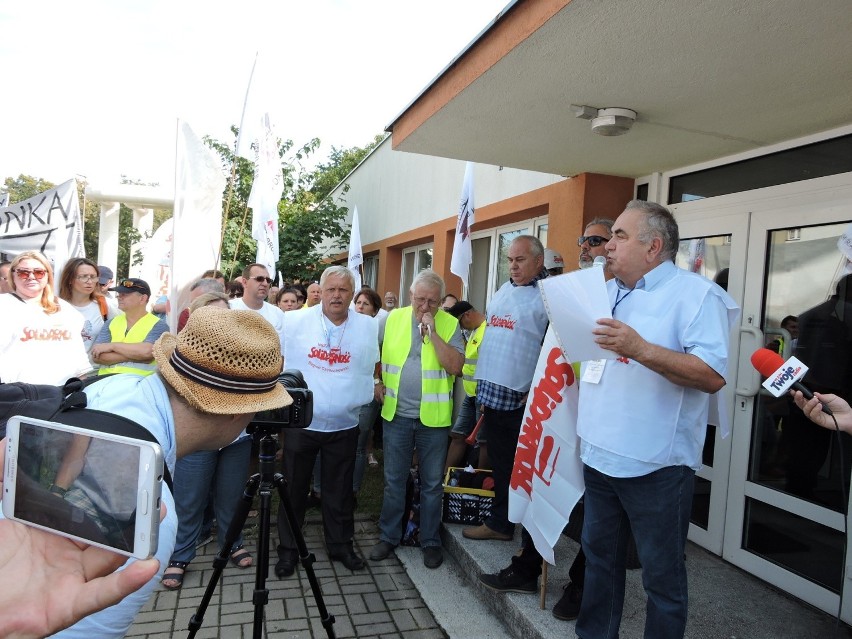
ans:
(778, 374)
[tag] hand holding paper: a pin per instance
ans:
(574, 302)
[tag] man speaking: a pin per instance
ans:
(642, 421)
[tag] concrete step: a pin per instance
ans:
(725, 602)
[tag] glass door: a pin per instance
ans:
(713, 243)
(776, 505)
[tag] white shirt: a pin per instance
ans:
(38, 348)
(635, 421)
(337, 363)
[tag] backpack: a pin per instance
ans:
(67, 405)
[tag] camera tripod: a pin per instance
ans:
(264, 481)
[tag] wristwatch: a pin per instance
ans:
(58, 490)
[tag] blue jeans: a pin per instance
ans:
(366, 419)
(226, 471)
(656, 507)
(401, 436)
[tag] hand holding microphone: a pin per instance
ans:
(770, 364)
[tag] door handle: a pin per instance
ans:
(752, 381)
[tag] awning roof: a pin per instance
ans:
(708, 79)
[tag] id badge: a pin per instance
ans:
(593, 371)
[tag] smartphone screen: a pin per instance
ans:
(98, 488)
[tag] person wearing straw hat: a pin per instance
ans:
(197, 400)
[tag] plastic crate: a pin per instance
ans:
(470, 506)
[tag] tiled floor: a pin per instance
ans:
(379, 601)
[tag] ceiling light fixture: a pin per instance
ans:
(608, 122)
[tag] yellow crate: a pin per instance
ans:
(469, 506)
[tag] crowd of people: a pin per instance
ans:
(362, 356)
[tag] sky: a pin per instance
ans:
(94, 88)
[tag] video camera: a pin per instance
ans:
(299, 414)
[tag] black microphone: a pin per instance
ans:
(766, 362)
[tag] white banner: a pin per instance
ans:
(197, 232)
(356, 255)
(462, 252)
(547, 478)
(157, 261)
(48, 222)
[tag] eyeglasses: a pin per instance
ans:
(593, 240)
(86, 278)
(260, 279)
(420, 301)
(24, 273)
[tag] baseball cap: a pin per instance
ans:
(132, 285)
(104, 274)
(459, 308)
(552, 259)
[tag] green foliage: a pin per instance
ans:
(24, 187)
(310, 224)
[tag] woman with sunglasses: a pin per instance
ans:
(79, 286)
(40, 336)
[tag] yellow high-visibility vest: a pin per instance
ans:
(436, 401)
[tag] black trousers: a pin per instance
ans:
(337, 458)
(503, 428)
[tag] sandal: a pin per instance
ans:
(177, 577)
(239, 556)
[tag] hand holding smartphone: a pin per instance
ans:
(94, 487)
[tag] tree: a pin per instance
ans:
(25, 186)
(310, 224)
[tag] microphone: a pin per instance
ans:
(767, 362)
(600, 260)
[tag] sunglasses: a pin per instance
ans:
(593, 240)
(131, 284)
(86, 278)
(24, 273)
(260, 279)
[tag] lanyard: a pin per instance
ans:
(619, 298)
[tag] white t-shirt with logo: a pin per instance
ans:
(337, 363)
(38, 348)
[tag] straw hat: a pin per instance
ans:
(224, 362)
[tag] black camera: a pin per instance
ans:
(299, 414)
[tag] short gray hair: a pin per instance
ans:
(338, 271)
(658, 222)
(601, 221)
(429, 278)
(536, 247)
(208, 285)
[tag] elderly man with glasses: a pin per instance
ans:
(422, 352)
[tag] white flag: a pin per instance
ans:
(197, 230)
(258, 143)
(356, 256)
(4, 199)
(462, 253)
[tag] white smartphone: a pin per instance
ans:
(94, 487)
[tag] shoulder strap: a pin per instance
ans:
(102, 304)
